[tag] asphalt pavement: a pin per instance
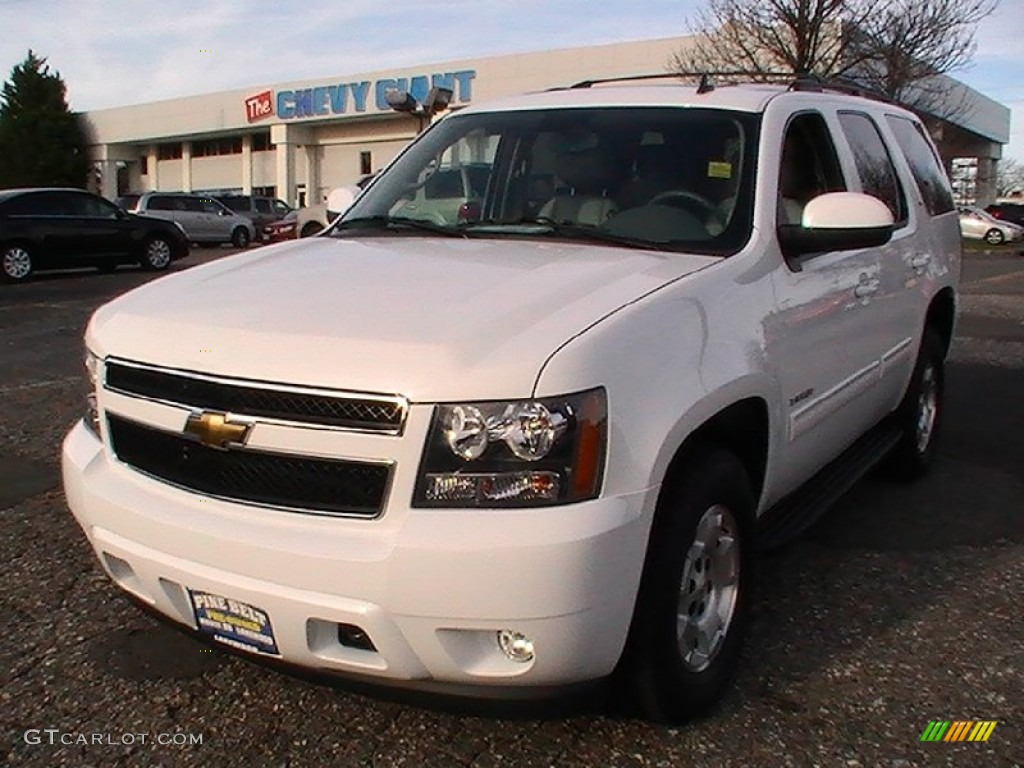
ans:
(903, 605)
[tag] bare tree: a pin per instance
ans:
(899, 47)
(1009, 178)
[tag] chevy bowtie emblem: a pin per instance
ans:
(214, 430)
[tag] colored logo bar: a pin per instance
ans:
(958, 730)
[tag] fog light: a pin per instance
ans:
(516, 646)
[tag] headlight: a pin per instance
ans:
(92, 412)
(515, 454)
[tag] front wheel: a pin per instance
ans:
(994, 237)
(240, 237)
(919, 414)
(311, 228)
(692, 609)
(157, 255)
(15, 263)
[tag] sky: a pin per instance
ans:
(114, 53)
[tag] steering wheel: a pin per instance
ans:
(680, 198)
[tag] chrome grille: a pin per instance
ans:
(279, 402)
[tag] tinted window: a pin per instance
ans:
(207, 205)
(161, 203)
(874, 165)
(36, 204)
(263, 206)
(238, 204)
(128, 202)
(444, 184)
(193, 204)
(809, 166)
(924, 164)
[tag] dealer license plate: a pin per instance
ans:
(233, 622)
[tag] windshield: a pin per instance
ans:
(655, 177)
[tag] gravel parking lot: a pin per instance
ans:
(903, 605)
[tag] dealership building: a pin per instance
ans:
(297, 140)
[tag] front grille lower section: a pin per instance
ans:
(328, 486)
(374, 413)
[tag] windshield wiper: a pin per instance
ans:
(396, 222)
(545, 226)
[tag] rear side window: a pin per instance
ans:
(161, 203)
(874, 165)
(924, 164)
(33, 204)
(237, 204)
(263, 206)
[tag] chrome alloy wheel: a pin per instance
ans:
(927, 407)
(158, 253)
(17, 263)
(708, 589)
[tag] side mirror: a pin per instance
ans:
(340, 200)
(837, 221)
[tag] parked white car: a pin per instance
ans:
(519, 453)
(976, 224)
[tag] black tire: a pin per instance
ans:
(240, 237)
(16, 263)
(310, 228)
(156, 254)
(919, 415)
(994, 237)
(658, 679)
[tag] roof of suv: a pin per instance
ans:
(747, 97)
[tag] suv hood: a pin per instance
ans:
(428, 318)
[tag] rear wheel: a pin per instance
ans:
(919, 414)
(691, 613)
(994, 237)
(15, 263)
(157, 255)
(240, 237)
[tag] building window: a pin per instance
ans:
(365, 163)
(231, 145)
(261, 142)
(169, 151)
(144, 165)
(264, 191)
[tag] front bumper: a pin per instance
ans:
(430, 588)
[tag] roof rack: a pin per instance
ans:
(706, 78)
(809, 82)
(706, 82)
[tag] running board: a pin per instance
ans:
(801, 509)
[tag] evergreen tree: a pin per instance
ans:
(42, 142)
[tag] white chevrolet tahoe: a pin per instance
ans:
(532, 447)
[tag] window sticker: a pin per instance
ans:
(719, 169)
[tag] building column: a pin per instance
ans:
(285, 139)
(153, 166)
(108, 178)
(986, 187)
(247, 164)
(186, 166)
(312, 174)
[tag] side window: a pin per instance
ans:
(924, 164)
(282, 208)
(96, 207)
(161, 203)
(263, 206)
(874, 164)
(211, 206)
(809, 166)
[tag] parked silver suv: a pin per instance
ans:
(205, 220)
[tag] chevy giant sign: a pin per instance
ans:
(340, 98)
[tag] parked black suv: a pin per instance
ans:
(1013, 212)
(50, 228)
